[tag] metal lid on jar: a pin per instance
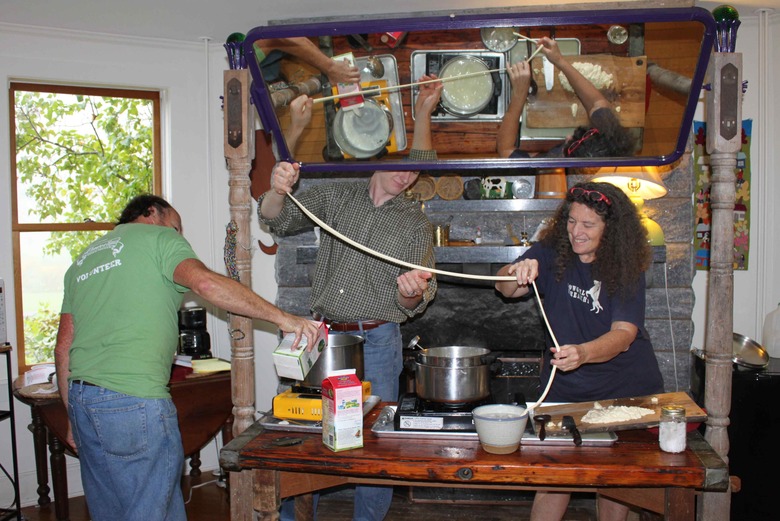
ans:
(673, 411)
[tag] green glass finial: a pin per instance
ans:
(235, 38)
(725, 12)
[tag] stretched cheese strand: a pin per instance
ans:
(557, 346)
(387, 257)
(392, 260)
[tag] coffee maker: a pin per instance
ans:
(194, 340)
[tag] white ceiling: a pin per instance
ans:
(191, 20)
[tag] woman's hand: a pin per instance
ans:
(569, 357)
(300, 111)
(551, 50)
(525, 271)
(520, 78)
(427, 96)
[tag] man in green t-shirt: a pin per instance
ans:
(116, 342)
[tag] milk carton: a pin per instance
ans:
(297, 363)
(342, 411)
(356, 100)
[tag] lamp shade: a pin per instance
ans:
(643, 182)
(639, 184)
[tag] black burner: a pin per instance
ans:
(306, 389)
(415, 414)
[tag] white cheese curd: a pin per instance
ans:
(615, 413)
(593, 73)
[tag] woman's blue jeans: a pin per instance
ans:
(130, 452)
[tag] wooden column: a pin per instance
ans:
(724, 139)
(239, 152)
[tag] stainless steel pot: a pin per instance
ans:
(452, 384)
(471, 94)
(342, 352)
(452, 374)
(453, 356)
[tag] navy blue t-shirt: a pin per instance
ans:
(580, 310)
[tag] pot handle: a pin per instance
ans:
(410, 367)
(414, 343)
(493, 362)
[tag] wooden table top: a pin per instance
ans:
(635, 460)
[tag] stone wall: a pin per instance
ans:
(472, 313)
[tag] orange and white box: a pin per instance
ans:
(342, 411)
(297, 363)
(349, 102)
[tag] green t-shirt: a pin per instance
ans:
(124, 303)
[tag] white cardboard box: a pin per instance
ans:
(342, 411)
(297, 363)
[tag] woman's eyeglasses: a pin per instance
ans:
(574, 145)
(591, 195)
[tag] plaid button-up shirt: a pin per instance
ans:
(349, 284)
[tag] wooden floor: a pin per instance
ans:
(210, 502)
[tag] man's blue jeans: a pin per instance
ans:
(130, 453)
(383, 362)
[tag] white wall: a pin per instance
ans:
(197, 180)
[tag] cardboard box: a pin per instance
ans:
(297, 364)
(342, 411)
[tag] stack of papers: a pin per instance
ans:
(210, 365)
(183, 360)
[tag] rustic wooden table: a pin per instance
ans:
(203, 405)
(634, 469)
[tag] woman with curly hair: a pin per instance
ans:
(603, 137)
(589, 267)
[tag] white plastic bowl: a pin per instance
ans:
(500, 427)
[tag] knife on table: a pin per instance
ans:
(568, 423)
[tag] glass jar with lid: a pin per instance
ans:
(672, 428)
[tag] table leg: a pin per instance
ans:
(38, 429)
(266, 501)
(680, 504)
(195, 464)
(59, 478)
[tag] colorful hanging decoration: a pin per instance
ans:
(229, 251)
(703, 214)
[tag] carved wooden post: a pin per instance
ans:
(239, 151)
(724, 139)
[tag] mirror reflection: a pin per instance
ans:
(547, 90)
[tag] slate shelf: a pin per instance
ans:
(467, 254)
(492, 205)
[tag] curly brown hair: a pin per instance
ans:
(623, 254)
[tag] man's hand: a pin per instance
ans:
(342, 72)
(301, 327)
(413, 284)
(69, 439)
(283, 177)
